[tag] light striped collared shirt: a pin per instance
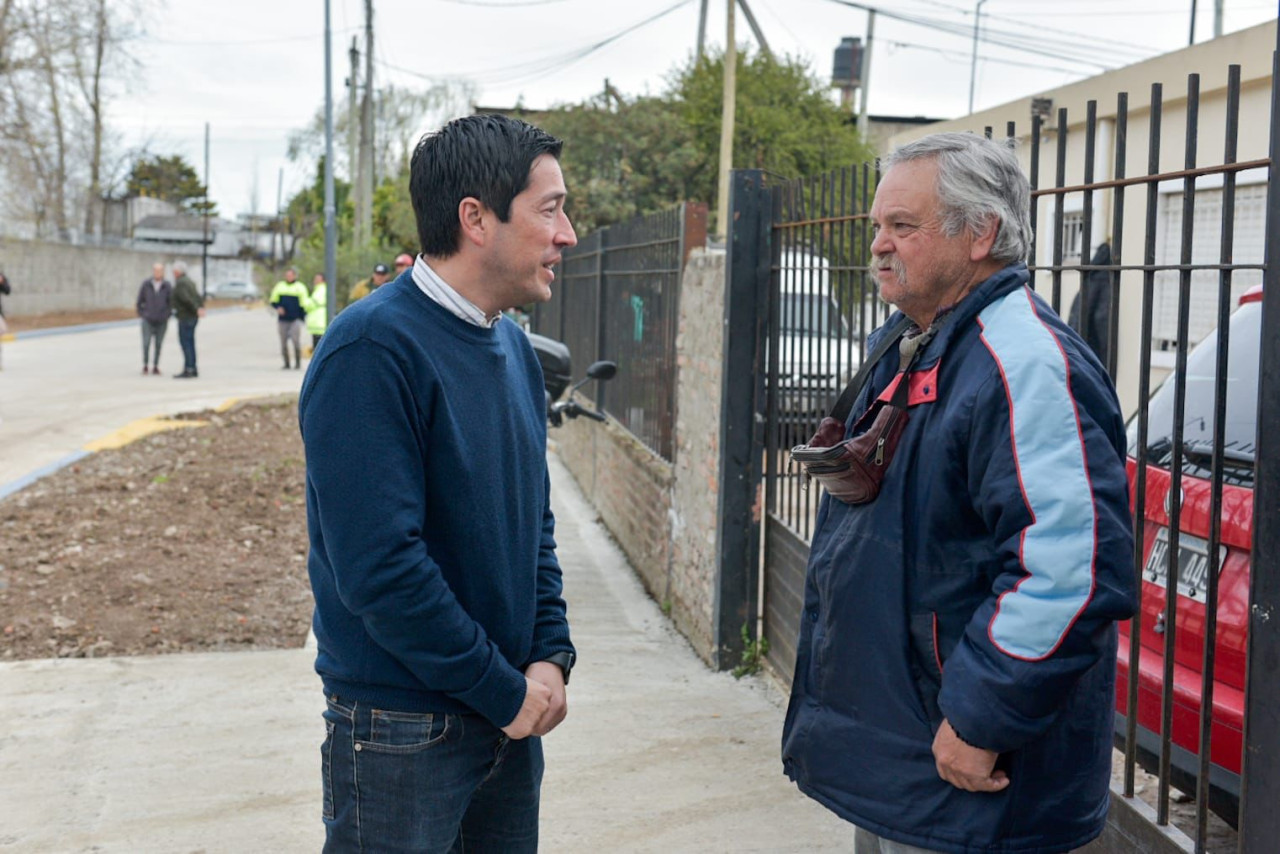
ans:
(438, 289)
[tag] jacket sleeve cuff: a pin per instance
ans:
(498, 694)
(544, 648)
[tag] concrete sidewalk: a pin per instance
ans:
(220, 752)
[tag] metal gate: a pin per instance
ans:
(806, 274)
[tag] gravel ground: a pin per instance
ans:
(191, 539)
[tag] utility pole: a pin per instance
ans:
(755, 28)
(1217, 19)
(279, 230)
(973, 62)
(702, 29)
(330, 226)
(1192, 38)
(353, 83)
(863, 121)
(364, 207)
(204, 244)
(727, 117)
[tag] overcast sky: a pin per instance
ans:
(254, 69)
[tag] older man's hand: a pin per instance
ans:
(965, 766)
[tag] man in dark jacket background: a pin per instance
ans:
(154, 307)
(955, 672)
(188, 307)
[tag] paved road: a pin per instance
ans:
(59, 392)
(219, 752)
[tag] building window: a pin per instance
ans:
(1206, 248)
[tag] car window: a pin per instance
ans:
(812, 315)
(1242, 405)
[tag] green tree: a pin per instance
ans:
(623, 158)
(170, 178)
(786, 122)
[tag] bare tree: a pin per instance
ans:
(402, 115)
(54, 60)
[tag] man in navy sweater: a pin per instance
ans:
(443, 643)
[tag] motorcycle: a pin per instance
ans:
(554, 357)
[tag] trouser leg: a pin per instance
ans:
(147, 334)
(401, 782)
(282, 328)
(187, 338)
(160, 329)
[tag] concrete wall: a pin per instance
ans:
(49, 277)
(663, 513)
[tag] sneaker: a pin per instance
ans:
(145, 370)
(184, 375)
(155, 369)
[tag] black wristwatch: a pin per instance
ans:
(563, 660)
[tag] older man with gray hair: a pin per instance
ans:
(954, 681)
(188, 307)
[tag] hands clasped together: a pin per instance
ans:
(545, 704)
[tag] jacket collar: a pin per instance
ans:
(1001, 282)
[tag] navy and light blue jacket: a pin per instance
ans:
(981, 586)
(428, 502)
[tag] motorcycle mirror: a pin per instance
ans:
(602, 370)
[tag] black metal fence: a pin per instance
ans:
(1198, 444)
(619, 298)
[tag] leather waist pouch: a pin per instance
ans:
(852, 470)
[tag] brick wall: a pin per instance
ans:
(661, 513)
(630, 486)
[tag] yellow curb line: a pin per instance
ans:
(144, 427)
(7, 337)
(139, 429)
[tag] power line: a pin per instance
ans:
(244, 42)
(1011, 41)
(962, 58)
(1058, 33)
(537, 68)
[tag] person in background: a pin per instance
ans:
(364, 287)
(289, 298)
(440, 619)
(403, 262)
(188, 307)
(5, 290)
(317, 310)
(154, 306)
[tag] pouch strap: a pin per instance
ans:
(844, 405)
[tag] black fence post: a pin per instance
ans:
(1260, 777)
(741, 451)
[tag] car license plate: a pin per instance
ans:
(1193, 563)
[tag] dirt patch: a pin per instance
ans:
(191, 539)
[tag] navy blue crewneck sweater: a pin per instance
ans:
(432, 541)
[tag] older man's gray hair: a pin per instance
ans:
(978, 179)
(179, 267)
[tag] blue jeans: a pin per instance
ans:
(408, 782)
(187, 338)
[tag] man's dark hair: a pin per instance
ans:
(485, 157)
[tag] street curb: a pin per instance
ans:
(94, 327)
(125, 435)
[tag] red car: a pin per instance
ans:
(1193, 564)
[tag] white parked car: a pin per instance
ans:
(246, 291)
